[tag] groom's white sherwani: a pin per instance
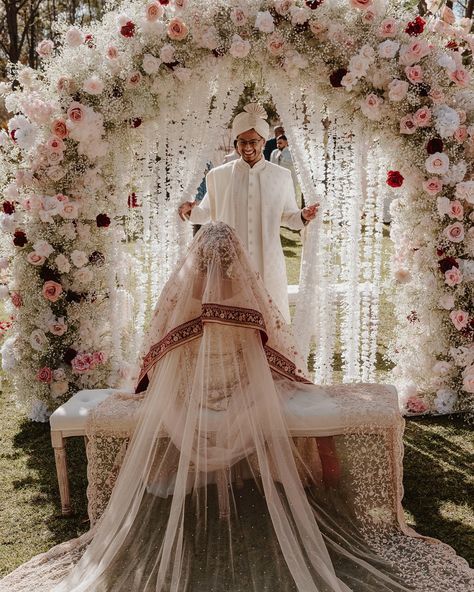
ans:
(256, 202)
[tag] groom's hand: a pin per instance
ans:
(309, 212)
(185, 209)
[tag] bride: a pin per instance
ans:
(214, 494)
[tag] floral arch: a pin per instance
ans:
(116, 129)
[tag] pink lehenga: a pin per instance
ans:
(214, 494)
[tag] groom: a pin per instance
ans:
(255, 197)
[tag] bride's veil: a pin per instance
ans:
(209, 497)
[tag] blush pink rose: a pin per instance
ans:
(453, 276)
(397, 90)
(414, 74)
(45, 48)
(276, 44)
(437, 163)
(82, 363)
(58, 328)
(99, 358)
(59, 128)
(283, 7)
(448, 15)
(44, 375)
(134, 79)
(361, 4)
(460, 77)
(388, 28)
(437, 95)
(153, 11)
(433, 186)
(52, 291)
(407, 125)
(468, 380)
(460, 318)
(318, 28)
(455, 232)
(177, 30)
(239, 16)
(461, 134)
(66, 85)
(16, 299)
(76, 112)
(456, 210)
(69, 211)
(112, 53)
(55, 144)
(422, 117)
(35, 259)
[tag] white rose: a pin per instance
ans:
(388, 49)
(465, 190)
(468, 379)
(43, 248)
(167, 53)
(69, 210)
(443, 204)
(264, 22)
(4, 262)
(38, 340)
(74, 37)
(4, 292)
(437, 163)
(447, 120)
(442, 368)
(445, 400)
(93, 85)
(298, 16)
(62, 264)
(240, 48)
(397, 90)
(83, 276)
(151, 65)
(79, 258)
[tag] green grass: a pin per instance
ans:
(439, 485)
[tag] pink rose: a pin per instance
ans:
(413, 52)
(52, 291)
(456, 209)
(461, 135)
(318, 29)
(437, 163)
(59, 374)
(35, 259)
(181, 4)
(134, 79)
(61, 198)
(55, 144)
(76, 112)
(388, 28)
(416, 405)
(369, 15)
(433, 186)
(177, 30)
(361, 4)
(468, 380)
(99, 358)
(93, 86)
(455, 232)
(282, 7)
(461, 77)
(437, 95)
(59, 129)
(112, 53)
(82, 363)
(58, 328)
(371, 107)
(276, 44)
(460, 319)
(16, 299)
(69, 211)
(44, 375)
(422, 117)
(54, 158)
(239, 16)
(397, 90)
(264, 22)
(45, 48)
(407, 125)
(240, 48)
(448, 15)
(153, 11)
(453, 276)
(414, 74)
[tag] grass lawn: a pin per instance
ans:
(439, 484)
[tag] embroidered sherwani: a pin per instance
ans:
(256, 202)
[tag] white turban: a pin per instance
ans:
(252, 117)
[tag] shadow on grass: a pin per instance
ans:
(34, 444)
(439, 488)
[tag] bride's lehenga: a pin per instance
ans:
(213, 493)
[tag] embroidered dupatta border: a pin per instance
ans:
(228, 315)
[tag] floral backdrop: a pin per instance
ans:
(69, 170)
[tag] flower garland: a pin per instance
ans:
(78, 125)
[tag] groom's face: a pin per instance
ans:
(250, 146)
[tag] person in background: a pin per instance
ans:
(234, 155)
(282, 157)
(271, 144)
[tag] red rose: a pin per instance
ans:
(434, 145)
(128, 30)
(313, 4)
(415, 27)
(19, 238)
(136, 122)
(89, 41)
(395, 179)
(164, 2)
(8, 207)
(448, 263)
(44, 375)
(52, 290)
(17, 300)
(102, 220)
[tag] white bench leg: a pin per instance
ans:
(61, 469)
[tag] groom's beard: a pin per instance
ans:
(252, 158)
